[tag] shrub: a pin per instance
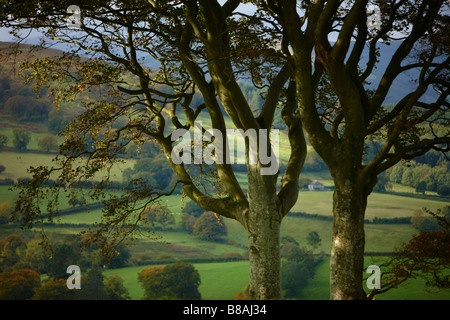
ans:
(232, 256)
(48, 143)
(179, 280)
(209, 227)
(18, 284)
(21, 139)
(3, 141)
(54, 289)
(443, 190)
(193, 209)
(187, 222)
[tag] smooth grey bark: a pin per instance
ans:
(263, 224)
(348, 241)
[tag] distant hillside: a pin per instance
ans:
(404, 82)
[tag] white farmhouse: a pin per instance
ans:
(315, 186)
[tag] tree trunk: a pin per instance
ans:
(263, 227)
(347, 248)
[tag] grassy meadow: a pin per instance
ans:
(221, 281)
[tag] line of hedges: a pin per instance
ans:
(376, 220)
(191, 260)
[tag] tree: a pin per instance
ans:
(57, 124)
(205, 47)
(5, 212)
(48, 143)
(157, 169)
(3, 141)
(26, 108)
(93, 287)
(443, 190)
(179, 280)
(188, 222)
(53, 290)
(383, 183)
(151, 281)
(21, 139)
(426, 256)
(192, 208)
(341, 111)
(313, 239)
(10, 249)
(121, 260)
(297, 269)
(18, 284)
(209, 227)
(114, 289)
(63, 255)
(202, 48)
(294, 276)
(421, 187)
(158, 216)
(396, 173)
(34, 257)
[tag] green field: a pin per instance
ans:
(219, 281)
(17, 164)
(222, 280)
(379, 205)
(414, 289)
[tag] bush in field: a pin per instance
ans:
(57, 124)
(115, 289)
(48, 143)
(421, 187)
(425, 222)
(179, 280)
(187, 222)
(313, 239)
(21, 139)
(158, 216)
(5, 211)
(294, 277)
(443, 190)
(297, 268)
(121, 259)
(193, 209)
(303, 182)
(156, 171)
(3, 141)
(209, 227)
